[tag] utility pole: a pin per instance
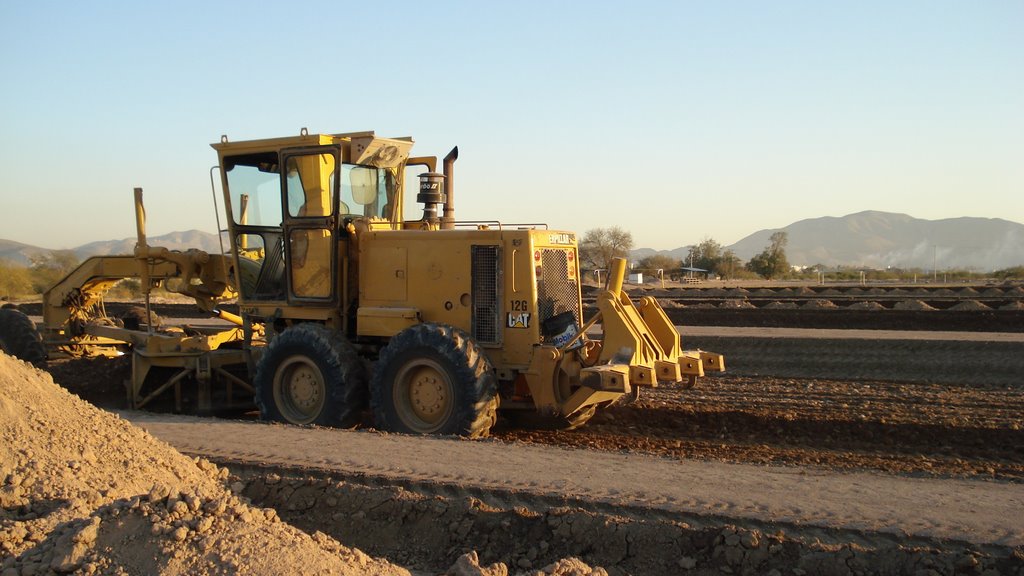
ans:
(935, 263)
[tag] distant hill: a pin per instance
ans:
(19, 253)
(870, 239)
(882, 239)
(174, 241)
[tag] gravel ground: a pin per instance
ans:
(823, 407)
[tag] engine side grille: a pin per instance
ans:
(557, 291)
(486, 294)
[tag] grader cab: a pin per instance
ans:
(346, 303)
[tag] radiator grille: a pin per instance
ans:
(557, 291)
(486, 296)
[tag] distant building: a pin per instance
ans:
(636, 278)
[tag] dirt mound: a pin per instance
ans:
(96, 380)
(736, 304)
(430, 525)
(911, 305)
(776, 305)
(969, 305)
(870, 305)
(819, 304)
(1015, 305)
(469, 565)
(83, 490)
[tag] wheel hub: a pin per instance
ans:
(424, 395)
(303, 387)
(427, 393)
(299, 390)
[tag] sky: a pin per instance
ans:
(677, 121)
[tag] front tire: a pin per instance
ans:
(19, 337)
(434, 379)
(310, 374)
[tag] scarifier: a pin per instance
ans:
(346, 302)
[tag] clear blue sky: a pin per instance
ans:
(674, 120)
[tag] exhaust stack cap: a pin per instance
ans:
(431, 193)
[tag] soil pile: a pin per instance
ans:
(818, 303)
(912, 305)
(776, 305)
(970, 305)
(866, 305)
(736, 304)
(84, 491)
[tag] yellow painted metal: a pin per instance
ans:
(70, 303)
(424, 395)
(616, 276)
(395, 273)
(540, 377)
(711, 361)
(646, 337)
(383, 321)
(659, 326)
(205, 369)
(605, 383)
(690, 364)
(229, 317)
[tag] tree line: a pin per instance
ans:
(599, 246)
(42, 272)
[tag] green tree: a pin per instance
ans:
(600, 245)
(50, 267)
(705, 255)
(728, 265)
(14, 280)
(772, 263)
(1013, 273)
(659, 261)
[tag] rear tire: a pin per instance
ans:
(19, 337)
(310, 374)
(434, 379)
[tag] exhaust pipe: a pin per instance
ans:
(448, 220)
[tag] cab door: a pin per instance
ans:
(309, 181)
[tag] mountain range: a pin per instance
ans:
(19, 253)
(868, 239)
(873, 239)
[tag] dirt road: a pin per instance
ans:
(858, 438)
(983, 512)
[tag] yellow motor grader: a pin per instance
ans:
(344, 303)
